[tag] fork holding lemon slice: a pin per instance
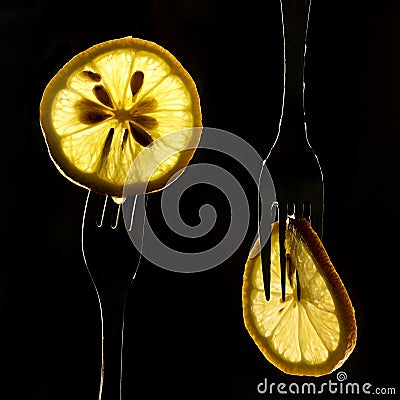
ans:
(314, 330)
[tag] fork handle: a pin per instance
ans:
(111, 370)
(295, 23)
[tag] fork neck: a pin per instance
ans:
(295, 22)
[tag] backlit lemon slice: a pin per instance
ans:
(314, 330)
(109, 103)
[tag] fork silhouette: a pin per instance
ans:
(112, 262)
(292, 163)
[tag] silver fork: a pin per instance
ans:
(112, 262)
(292, 163)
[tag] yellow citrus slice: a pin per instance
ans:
(112, 101)
(314, 330)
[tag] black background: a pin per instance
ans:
(185, 336)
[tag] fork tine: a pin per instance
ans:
(265, 251)
(265, 254)
(291, 208)
(282, 250)
(101, 211)
(266, 265)
(94, 207)
(115, 215)
(298, 210)
(131, 205)
(316, 219)
(306, 210)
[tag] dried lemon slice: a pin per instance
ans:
(109, 103)
(314, 330)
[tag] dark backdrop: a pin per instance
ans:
(185, 336)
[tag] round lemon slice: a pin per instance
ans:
(112, 101)
(314, 330)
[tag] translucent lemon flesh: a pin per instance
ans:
(109, 103)
(313, 331)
